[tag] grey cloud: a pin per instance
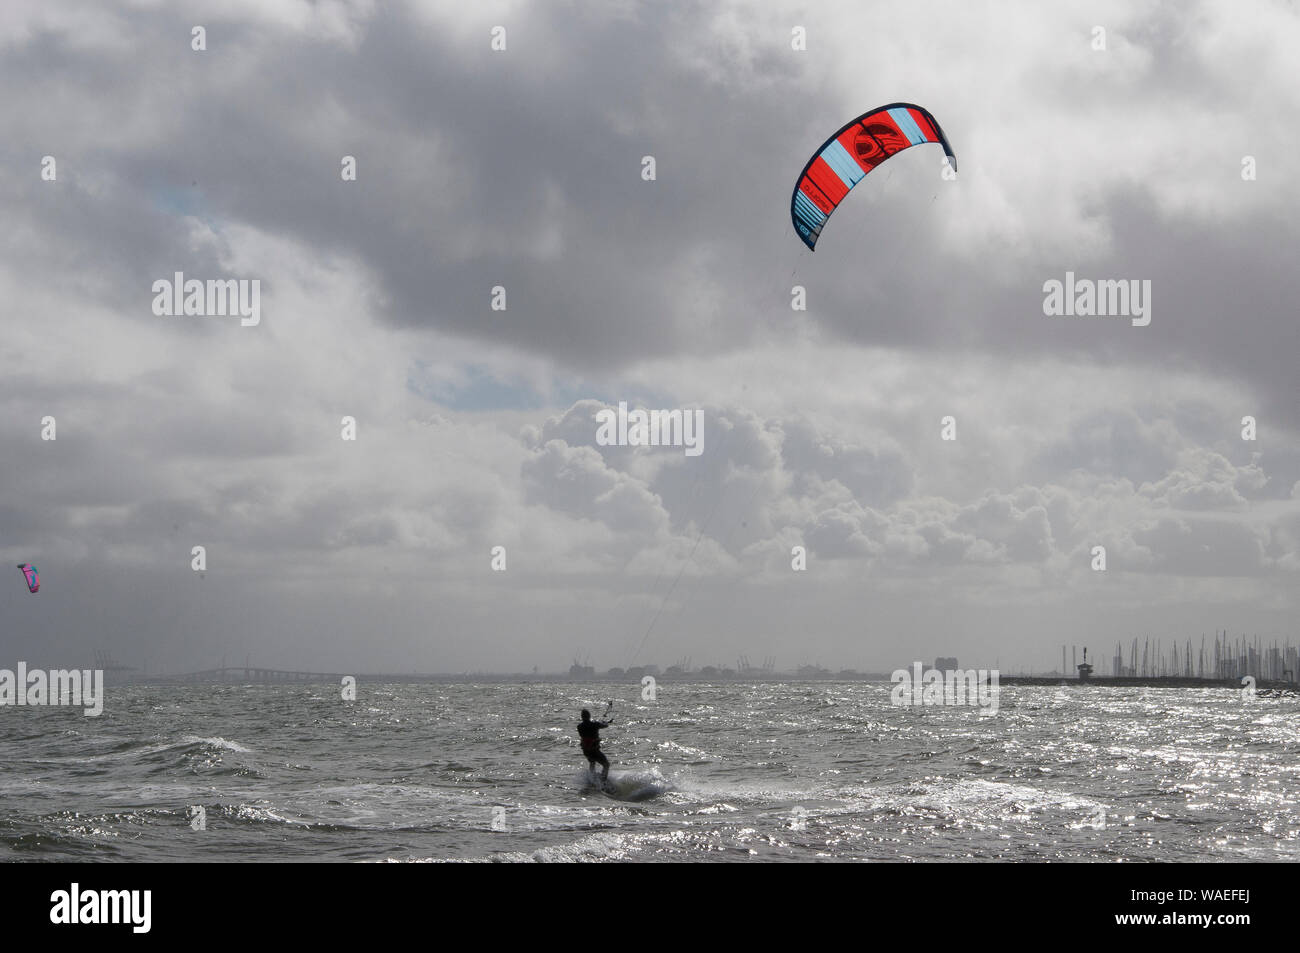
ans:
(523, 169)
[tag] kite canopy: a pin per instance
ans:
(29, 573)
(846, 157)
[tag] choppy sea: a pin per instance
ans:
(705, 772)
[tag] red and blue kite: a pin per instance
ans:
(846, 157)
(30, 574)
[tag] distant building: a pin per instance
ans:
(945, 664)
(581, 671)
(1085, 670)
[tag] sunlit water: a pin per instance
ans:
(735, 772)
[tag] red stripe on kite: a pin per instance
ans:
(923, 123)
(826, 179)
(816, 196)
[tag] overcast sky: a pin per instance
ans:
(476, 428)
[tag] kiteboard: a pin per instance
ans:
(626, 787)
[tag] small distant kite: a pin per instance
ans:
(846, 157)
(32, 577)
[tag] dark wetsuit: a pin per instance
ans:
(589, 732)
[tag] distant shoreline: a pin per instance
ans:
(243, 676)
